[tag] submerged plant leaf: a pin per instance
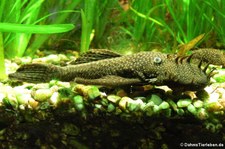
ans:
(39, 29)
(124, 4)
(183, 49)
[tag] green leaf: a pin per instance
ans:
(38, 29)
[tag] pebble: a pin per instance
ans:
(180, 111)
(124, 102)
(33, 103)
(214, 106)
(110, 107)
(202, 114)
(78, 102)
(41, 94)
(183, 103)
(93, 92)
(155, 99)
(156, 109)
(2, 96)
(54, 99)
(88, 91)
(23, 98)
(114, 98)
(191, 108)
(164, 105)
(198, 103)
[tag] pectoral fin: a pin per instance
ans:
(110, 80)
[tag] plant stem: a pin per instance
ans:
(2, 62)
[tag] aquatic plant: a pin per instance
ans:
(19, 19)
(87, 16)
(167, 24)
(26, 13)
(2, 64)
(94, 15)
(218, 8)
(140, 24)
(186, 25)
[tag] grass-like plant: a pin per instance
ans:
(172, 23)
(95, 17)
(19, 12)
(64, 10)
(145, 26)
(2, 64)
(19, 18)
(87, 15)
(186, 24)
(26, 13)
(102, 21)
(218, 20)
(27, 29)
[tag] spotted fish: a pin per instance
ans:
(106, 68)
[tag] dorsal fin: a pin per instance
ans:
(95, 55)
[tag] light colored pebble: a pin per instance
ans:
(134, 105)
(42, 94)
(198, 103)
(2, 96)
(11, 99)
(33, 103)
(191, 108)
(214, 97)
(98, 106)
(54, 88)
(54, 99)
(79, 107)
(78, 102)
(78, 99)
(113, 98)
(40, 86)
(214, 106)
(183, 103)
(123, 102)
(63, 57)
(202, 114)
(148, 105)
(156, 109)
(164, 105)
(23, 98)
(21, 107)
(52, 58)
(93, 92)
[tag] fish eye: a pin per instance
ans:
(157, 60)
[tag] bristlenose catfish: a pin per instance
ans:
(106, 68)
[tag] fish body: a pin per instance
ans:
(211, 56)
(137, 69)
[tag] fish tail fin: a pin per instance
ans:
(36, 73)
